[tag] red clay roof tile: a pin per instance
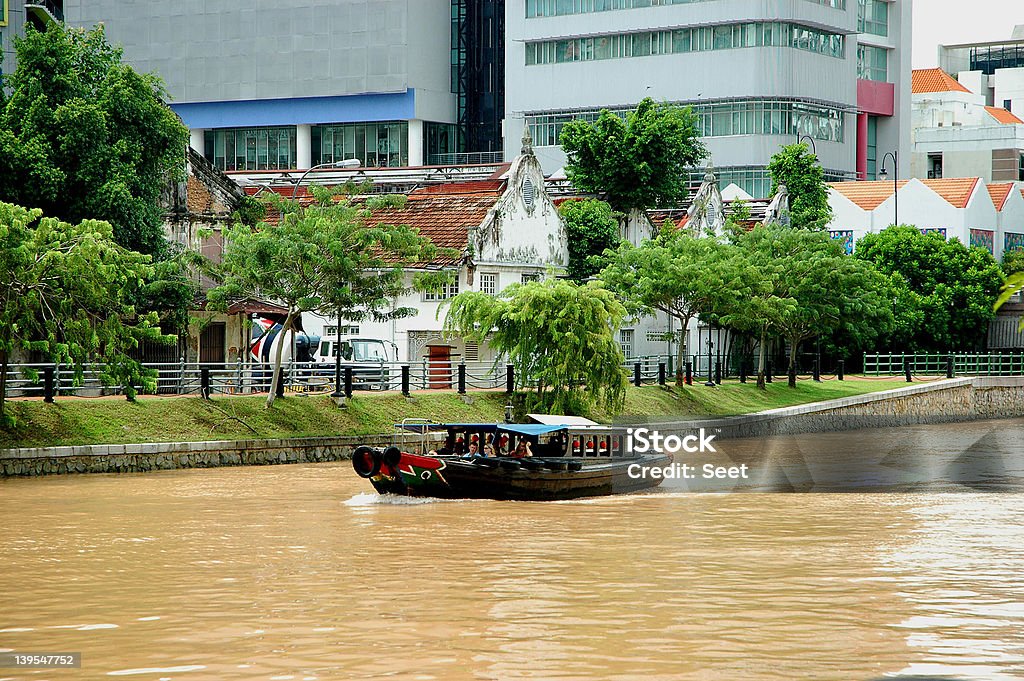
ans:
(934, 80)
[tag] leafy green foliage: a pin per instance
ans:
(943, 291)
(555, 332)
(678, 274)
(327, 257)
(800, 171)
(638, 163)
(1013, 261)
(591, 228)
(66, 294)
(806, 286)
(250, 211)
(83, 136)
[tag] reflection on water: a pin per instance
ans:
(296, 572)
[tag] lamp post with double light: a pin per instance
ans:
(347, 163)
(883, 173)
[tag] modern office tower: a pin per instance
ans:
(15, 16)
(759, 74)
(296, 83)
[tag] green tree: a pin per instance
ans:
(797, 168)
(641, 162)
(591, 228)
(555, 332)
(1013, 267)
(1013, 261)
(825, 289)
(944, 292)
(83, 136)
(67, 294)
(326, 257)
(678, 274)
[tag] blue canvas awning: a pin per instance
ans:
(533, 429)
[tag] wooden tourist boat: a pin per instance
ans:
(568, 461)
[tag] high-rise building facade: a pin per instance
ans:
(758, 74)
(295, 83)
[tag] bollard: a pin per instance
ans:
(768, 372)
(661, 373)
(743, 371)
(817, 371)
(348, 382)
(510, 379)
(906, 371)
(204, 382)
(280, 382)
(949, 366)
(841, 369)
(718, 372)
(636, 374)
(462, 379)
(689, 373)
(405, 380)
(48, 384)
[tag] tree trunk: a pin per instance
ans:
(286, 327)
(3, 384)
(680, 353)
(762, 352)
(792, 363)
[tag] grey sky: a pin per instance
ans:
(948, 22)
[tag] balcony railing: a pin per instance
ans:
(53, 9)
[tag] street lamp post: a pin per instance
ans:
(801, 138)
(895, 176)
(347, 163)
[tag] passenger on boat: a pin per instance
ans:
(473, 451)
(522, 449)
(489, 450)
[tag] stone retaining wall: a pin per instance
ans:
(958, 399)
(167, 455)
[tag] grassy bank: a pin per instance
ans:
(178, 419)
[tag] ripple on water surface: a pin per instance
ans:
(296, 571)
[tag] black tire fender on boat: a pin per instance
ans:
(533, 464)
(575, 465)
(485, 462)
(366, 461)
(511, 464)
(392, 455)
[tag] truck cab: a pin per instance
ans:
(369, 359)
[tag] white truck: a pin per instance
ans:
(369, 358)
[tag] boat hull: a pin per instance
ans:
(509, 479)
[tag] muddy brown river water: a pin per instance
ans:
(296, 572)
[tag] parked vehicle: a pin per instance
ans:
(369, 359)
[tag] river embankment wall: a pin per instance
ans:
(958, 399)
(945, 401)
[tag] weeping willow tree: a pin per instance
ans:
(559, 336)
